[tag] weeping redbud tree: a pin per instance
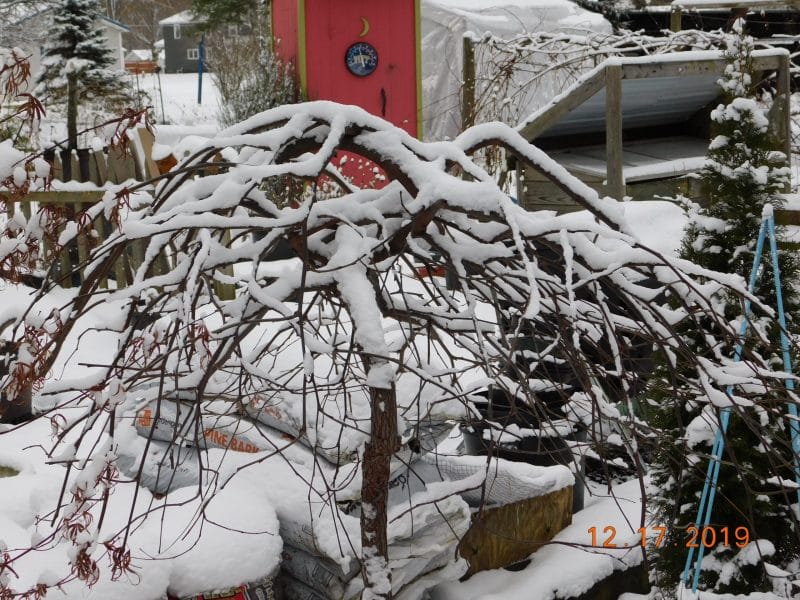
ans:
(356, 334)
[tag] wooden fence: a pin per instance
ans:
(110, 165)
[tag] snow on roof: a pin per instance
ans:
(135, 55)
(113, 23)
(513, 17)
(184, 17)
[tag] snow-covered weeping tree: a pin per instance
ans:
(349, 338)
(76, 63)
(743, 174)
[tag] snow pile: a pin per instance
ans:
(424, 494)
(502, 481)
(183, 544)
(175, 422)
(316, 501)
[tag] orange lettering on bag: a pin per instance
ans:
(146, 418)
(273, 412)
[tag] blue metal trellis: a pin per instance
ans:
(712, 474)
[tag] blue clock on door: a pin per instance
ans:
(361, 59)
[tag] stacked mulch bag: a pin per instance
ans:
(313, 477)
(257, 590)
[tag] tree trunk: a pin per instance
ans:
(378, 453)
(72, 111)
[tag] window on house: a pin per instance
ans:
(193, 54)
(176, 31)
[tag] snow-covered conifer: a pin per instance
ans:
(742, 175)
(76, 63)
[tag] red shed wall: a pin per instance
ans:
(332, 26)
(284, 29)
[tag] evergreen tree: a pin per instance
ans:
(76, 63)
(743, 174)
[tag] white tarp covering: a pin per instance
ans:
(444, 24)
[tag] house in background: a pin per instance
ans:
(113, 31)
(31, 30)
(181, 37)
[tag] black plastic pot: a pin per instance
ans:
(535, 450)
(281, 251)
(499, 407)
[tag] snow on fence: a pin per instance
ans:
(79, 180)
(70, 206)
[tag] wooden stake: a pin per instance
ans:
(615, 178)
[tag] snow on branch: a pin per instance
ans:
(358, 322)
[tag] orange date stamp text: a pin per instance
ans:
(707, 537)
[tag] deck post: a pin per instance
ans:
(676, 19)
(615, 179)
(468, 108)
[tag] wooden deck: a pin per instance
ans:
(641, 160)
(645, 98)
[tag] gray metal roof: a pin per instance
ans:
(646, 102)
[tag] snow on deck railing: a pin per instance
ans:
(507, 79)
(675, 58)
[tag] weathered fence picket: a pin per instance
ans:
(114, 165)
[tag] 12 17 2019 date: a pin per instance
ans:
(708, 536)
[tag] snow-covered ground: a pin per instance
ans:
(181, 123)
(570, 566)
(179, 92)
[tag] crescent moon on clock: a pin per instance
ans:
(365, 27)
